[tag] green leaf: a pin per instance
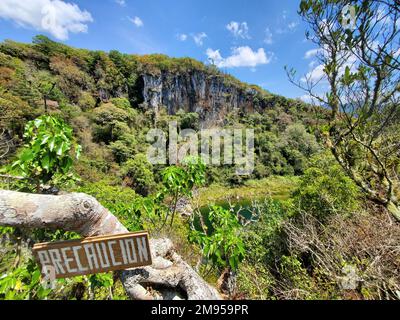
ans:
(52, 144)
(26, 156)
(46, 162)
(60, 149)
(38, 122)
(66, 165)
(233, 262)
(35, 278)
(45, 138)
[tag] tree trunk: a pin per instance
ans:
(168, 278)
(227, 282)
(394, 209)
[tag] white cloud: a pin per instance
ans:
(136, 21)
(292, 26)
(122, 3)
(306, 98)
(318, 74)
(240, 57)
(239, 30)
(315, 75)
(199, 38)
(214, 56)
(312, 99)
(268, 36)
(53, 16)
(284, 25)
(312, 53)
(313, 64)
(182, 36)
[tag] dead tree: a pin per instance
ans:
(170, 277)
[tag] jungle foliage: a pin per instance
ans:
(72, 120)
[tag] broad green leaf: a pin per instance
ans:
(46, 162)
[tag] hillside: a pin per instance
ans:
(73, 124)
(112, 100)
(148, 82)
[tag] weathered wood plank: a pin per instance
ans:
(94, 254)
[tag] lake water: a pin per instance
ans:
(244, 207)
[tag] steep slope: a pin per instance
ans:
(77, 76)
(198, 91)
(112, 100)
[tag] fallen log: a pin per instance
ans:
(170, 277)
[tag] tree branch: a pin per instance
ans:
(169, 277)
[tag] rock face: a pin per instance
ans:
(196, 91)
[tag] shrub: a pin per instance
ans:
(86, 101)
(121, 103)
(350, 257)
(326, 189)
(295, 279)
(220, 242)
(138, 173)
(297, 146)
(299, 139)
(177, 182)
(123, 149)
(107, 117)
(263, 237)
(188, 120)
(14, 112)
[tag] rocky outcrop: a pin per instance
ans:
(210, 95)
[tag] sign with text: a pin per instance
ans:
(94, 254)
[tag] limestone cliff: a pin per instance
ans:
(210, 95)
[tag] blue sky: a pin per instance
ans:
(250, 39)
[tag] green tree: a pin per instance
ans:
(188, 120)
(177, 181)
(107, 120)
(48, 153)
(86, 101)
(297, 145)
(138, 173)
(220, 242)
(326, 189)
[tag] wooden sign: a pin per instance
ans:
(94, 254)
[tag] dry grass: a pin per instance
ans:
(368, 243)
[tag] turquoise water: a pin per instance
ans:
(243, 207)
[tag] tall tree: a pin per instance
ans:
(359, 56)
